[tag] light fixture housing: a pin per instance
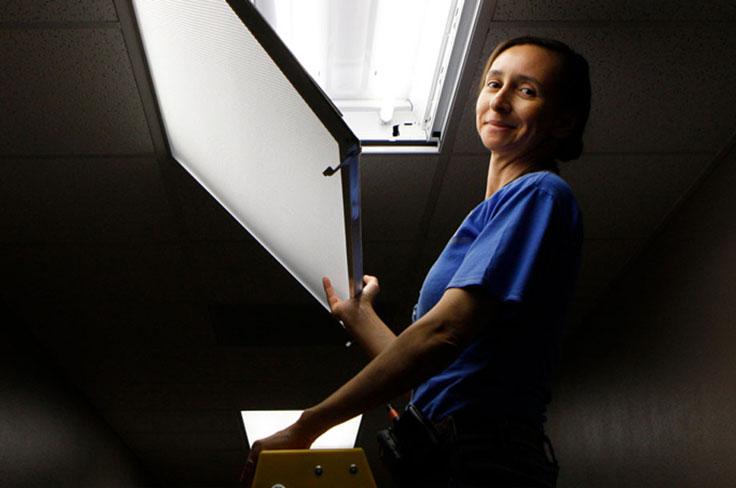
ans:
(391, 67)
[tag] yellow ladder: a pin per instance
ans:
(313, 468)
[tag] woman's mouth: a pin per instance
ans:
(499, 124)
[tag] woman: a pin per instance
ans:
(484, 341)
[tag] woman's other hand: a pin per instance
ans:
(290, 438)
(348, 310)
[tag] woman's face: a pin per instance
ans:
(517, 110)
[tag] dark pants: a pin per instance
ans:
(479, 453)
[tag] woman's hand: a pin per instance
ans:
(348, 311)
(359, 318)
(290, 438)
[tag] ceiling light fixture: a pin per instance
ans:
(391, 67)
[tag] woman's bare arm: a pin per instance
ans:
(423, 349)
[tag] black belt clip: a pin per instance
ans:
(412, 442)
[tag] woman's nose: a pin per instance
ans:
(500, 102)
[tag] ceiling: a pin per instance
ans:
(149, 296)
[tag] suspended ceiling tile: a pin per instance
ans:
(158, 325)
(605, 259)
(625, 10)
(711, 208)
(83, 200)
(428, 254)
(242, 272)
(185, 440)
(123, 401)
(57, 11)
(656, 87)
(394, 195)
(393, 262)
(295, 380)
(463, 188)
(76, 274)
(270, 325)
(389, 261)
(128, 366)
(194, 467)
(174, 418)
(204, 218)
(467, 139)
(679, 271)
(628, 196)
(69, 91)
(174, 365)
(579, 310)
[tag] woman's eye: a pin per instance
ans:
(493, 84)
(528, 92)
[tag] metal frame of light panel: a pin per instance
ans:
(304, 85)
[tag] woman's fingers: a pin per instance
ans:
(370, 281)
(370, 287)
(332, 298)
(289, 438)
(341, 308)
(249, 470)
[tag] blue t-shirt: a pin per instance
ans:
(521, 247)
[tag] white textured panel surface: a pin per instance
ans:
(83, 200)
(238, 125)
(395, 192)
(69, 91)
(656, 87)
(57, 10)
(628, 10)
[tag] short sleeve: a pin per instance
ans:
(510, 255)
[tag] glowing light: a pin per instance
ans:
(263, 423)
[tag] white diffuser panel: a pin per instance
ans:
(238, 125)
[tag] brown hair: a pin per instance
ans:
(574, 88)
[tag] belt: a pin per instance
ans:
(464, 424)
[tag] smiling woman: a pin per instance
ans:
(559, 89)
(484, 340)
